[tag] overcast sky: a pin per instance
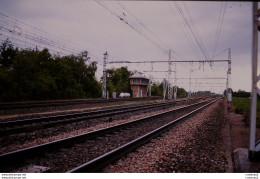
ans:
(90, 26)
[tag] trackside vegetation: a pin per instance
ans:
(32, 74)
(242, 106)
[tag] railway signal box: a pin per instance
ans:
(139, 85)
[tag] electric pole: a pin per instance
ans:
(228, 90)
(164, 89)
(190, 85)
(104, 89)
(169, 74)
(175, 82)
(149, 89)
(254, 149)
(189, 95)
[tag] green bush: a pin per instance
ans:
(242, 106)
(30, 74)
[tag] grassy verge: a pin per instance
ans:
(242, 106)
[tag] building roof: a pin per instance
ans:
(138, 76)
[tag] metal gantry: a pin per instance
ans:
(174, 89)
(165, 61)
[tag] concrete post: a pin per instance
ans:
(252, 149)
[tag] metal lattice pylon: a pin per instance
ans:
(104, 89)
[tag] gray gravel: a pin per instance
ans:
(67, 158)
(23, 140)
(195, 145)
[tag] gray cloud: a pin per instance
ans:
(89, 26)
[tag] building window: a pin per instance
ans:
(136, 81)
(140, 81)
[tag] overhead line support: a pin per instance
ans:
(169, 74)
(254, 147)
(104, 90)
(179, 61)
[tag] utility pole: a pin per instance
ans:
(189, 95)
(254, 148)
(228, 90)
(164, 89)
(169, 74)
(175, 82)
(190, 81)
(149, 89)
(104, 89)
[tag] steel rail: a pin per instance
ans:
(44, 122)
(22, 105)
(10, 158)
(100, 162)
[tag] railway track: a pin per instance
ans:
(26, 125)
(23, 105)
(91, 151)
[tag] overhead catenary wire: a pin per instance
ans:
(184, 30)
(128, 13)
(133, 27)
(189, 17)
(219, 26)
(26, 36)
(29, 45)
(220, 53)
(194, 35)
(36, 39)
(20, 33)
(195, 28)
(34, 29)
(29, 29)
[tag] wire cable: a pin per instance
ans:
(220, 21)
(123, 19)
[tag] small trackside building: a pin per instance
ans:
(139, 85)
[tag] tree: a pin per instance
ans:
(32, 74)
(118, 80)
(241, 93)
(157, 89)
(7, 54)
(181, 92)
